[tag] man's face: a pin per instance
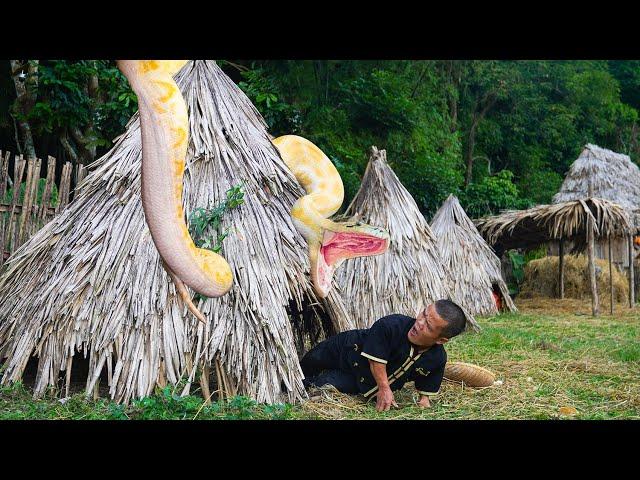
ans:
(427, 330)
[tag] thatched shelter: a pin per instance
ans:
(611, 176)
(410, 274)
(579, 222)
(472, 268)
(542, 223)
(91, 282)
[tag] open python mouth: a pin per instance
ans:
(339, 246)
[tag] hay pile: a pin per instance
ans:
(541, 279)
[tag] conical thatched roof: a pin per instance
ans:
(410, 275)
(613, 177)
(472, 267)
(91, 280)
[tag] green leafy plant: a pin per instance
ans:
(263, 92)
(203, 220)
(517, 268)
(535, 254)
(378, 101)
(492, 194)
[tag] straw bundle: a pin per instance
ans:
(472, 267)
(469, 374)
(410, 275)
(91, 280)
(541, 279)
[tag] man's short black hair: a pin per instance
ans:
(453, 315)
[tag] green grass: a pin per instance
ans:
(546, 359)
(16, 403)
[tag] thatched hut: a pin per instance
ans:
(91, 282)
(542, 223)
(579, 223)
(410, 274)
(472, 268)
(611, 176)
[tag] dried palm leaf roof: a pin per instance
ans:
(410, 275)
(471, 266)
(91, 280)
(613, 176)
(567, 220)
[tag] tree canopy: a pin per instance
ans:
(497, 134)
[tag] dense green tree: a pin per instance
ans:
(499, 134)
(69, 109)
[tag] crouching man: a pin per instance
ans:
(394, 350)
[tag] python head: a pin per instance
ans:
(340, 243)
(330, 243)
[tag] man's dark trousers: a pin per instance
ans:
(322, 365)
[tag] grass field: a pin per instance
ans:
(554, 359)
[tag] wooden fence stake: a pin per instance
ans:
(610, 275)
(632, 283)
(561, 268)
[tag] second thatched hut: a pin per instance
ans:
(410, 275)
(473, 269)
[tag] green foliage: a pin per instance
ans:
(493, 194)
(535, 254)
(204, 220)
(627, 73)
(519, 261)
(64, 101)
(164, 406)
(263, 92)
(517, 268)
(167, 405)
(378, 101)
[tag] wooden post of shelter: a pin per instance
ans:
(561, 269)
(610, 275)
(632, 293)
(595, 306)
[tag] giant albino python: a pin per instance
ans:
(165, 128)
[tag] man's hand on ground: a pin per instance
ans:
(424, 402)
(385, 400)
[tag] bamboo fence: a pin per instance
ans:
(24, 211)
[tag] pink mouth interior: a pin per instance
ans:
(341, 246)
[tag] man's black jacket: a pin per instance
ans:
(386, 342)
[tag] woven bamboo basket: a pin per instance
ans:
(469, 374)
